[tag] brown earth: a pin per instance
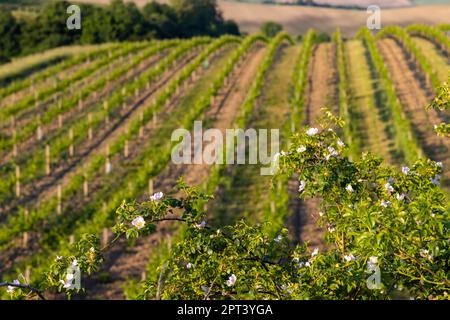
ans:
(415, 93)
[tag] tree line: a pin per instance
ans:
(118, 21)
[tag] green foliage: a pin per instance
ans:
(343, 92)
(323, 37)
(377, 217)
(435, 34)
(119, 21)
(301, 76)
(440, 103)
(9, 28)
(271, 29)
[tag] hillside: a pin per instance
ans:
(82, 134)
(298, 19)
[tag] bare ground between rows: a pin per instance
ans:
(414, 95)
(321, 92)
(123, 262)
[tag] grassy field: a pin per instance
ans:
(298, 19)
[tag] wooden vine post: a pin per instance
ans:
(106, 108)
(47, 160)
(71, 148)
(39, 128)
(150, 186)
(85, 185)
(59, 197)
(141, 127)
(18, 181)
(25, 234)
(90, 132)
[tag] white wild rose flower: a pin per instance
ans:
(301, 149)
(11, 289)
(231, 280)
(138, 222)
(385, 204)
(426, 254)
(389, 188)
(201, 225)
(302, 186)
(312, 131)
(67, 282)
(373, 260)
(157, 196)
(400, 197)
(349, 257)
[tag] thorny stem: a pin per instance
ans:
(23, 286)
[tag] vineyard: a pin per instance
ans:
(81, 134)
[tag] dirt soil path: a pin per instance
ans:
(124, 262)
(321, 92)
(414, 96)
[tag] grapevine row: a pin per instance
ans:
(35, 166)
(137, 178)
(405, 138)
(403, 37)
(216, 173)
(20, 223)
(49, 73)
(29, 102)
(67, 104)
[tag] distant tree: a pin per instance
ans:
(127, 21)
(323, 37)
(161, 20)
(48, 29)
(97, 25)
(271, 29)
(200, 17)
(10, 33)
(231, 27)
